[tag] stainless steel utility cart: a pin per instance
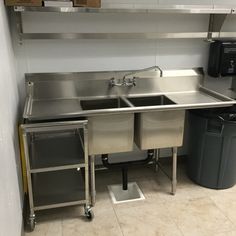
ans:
(57, 166)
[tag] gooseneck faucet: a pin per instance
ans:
(131, 82)
(146, 69)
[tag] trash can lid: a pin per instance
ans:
(208, 113)
(230, 117)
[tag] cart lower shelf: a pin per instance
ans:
(50, 188)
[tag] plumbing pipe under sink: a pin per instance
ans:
(125, 165)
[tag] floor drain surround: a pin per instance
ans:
(118, 195)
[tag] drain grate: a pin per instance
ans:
(118, 195)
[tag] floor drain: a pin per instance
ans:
(118, 195)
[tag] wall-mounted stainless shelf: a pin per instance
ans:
(140, 36)
(173, 9)
(217, 17)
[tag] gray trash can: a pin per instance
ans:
(212, 149)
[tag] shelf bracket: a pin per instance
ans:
(216, 22)
(19, 26)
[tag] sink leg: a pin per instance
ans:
(92, 180)
(174, 170)
(156, 159)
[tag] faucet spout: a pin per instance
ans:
(131, 82)
(143, 70)
(161, 71)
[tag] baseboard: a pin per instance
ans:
(22, 228)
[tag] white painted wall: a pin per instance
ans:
(10, 183)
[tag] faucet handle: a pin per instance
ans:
(112, 82)
(134, 81)
(129, 82)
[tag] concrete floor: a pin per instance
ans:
(194, 210)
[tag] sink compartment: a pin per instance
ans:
(110, 133)
(161, 129)
(151, 101)
(106, 103)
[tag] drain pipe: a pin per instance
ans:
(125, 165)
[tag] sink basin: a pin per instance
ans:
(150, 101)
(157, 129)
(106, 103)
(112, 133)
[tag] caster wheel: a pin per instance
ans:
(31, 224)
(89, 214)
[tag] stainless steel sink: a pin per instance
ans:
(111, 133)
(59, 96)
(150, 101)
(159, 129)
(105, 103)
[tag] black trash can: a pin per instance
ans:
(212, 149)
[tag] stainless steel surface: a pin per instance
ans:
(180, 9)
(87, 165)
(111, 133)
(173, 176)
(28, 174)
(47, 152)
(134, 73)
(60, 106)
(139, 36)
(223, 86)
(58, 96)
(19, 25)
(174, 171)
(45, 207)
(47, 169)
(62, 187)
(158, 104)
(92, 180)
(216, 22)
(217, 17)
(156, 158)
(160, 129)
